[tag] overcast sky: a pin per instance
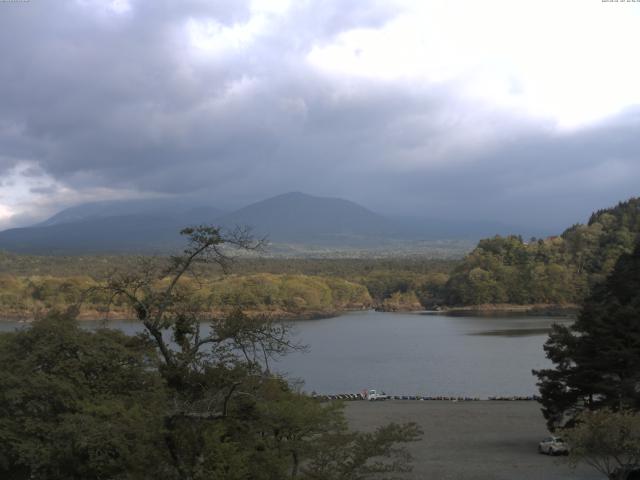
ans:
(515, 110)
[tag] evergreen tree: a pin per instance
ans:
(597, 359)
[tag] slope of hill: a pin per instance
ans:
(153, 225)
(295, 221)
(132, 226)
(127, 233)
(558, 269)
(156, 207)
(299, 218)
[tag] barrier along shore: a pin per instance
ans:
(382, 397)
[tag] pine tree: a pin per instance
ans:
(597, 359)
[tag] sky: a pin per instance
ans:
(525, 112)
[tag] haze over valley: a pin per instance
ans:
(152, 226)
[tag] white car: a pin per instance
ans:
(553, 446)
(373, 395)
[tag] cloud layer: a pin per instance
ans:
(486, 111)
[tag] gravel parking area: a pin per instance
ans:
(482, 440)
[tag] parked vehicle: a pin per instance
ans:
(553, 446)
(374, 395)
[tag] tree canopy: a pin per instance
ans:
(78, 405)
(558, 270)
(177, 402)
(597, 359)
(607, 440)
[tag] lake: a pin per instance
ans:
(412, 353)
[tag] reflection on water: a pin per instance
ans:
(422, 354)
(511, 332)
(411, 353)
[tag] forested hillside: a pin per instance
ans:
(500, 270)
(282, 296)
(552, 270)
(291, 288)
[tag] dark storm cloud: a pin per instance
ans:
(122, 101)
(114, 95)
(545, 180)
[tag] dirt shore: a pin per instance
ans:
(121, 314)
(536, 309)
(486, 440)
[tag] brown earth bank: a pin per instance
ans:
(485, 440)
(541, 309)
(568, 310)
(119, 314)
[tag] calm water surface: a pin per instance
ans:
(426, 354)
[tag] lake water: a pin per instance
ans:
(412, 354)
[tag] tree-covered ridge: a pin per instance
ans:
(281, 295)
(283, 287)
(500, 270)
(293, 293)
(553, 270)
(101, 267)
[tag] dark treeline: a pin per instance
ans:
(100, 267)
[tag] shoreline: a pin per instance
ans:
(551, 310)
(119, 315)
(535, 309)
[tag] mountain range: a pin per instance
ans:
(152, 225)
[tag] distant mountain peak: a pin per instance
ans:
(303, 196)
(293, 195)
(295, 217)
(300, 199)
(179, 207)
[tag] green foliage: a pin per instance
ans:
(401, 302)
(78, 405)
(427, 286)
(360, 456)
(608, 441)
(292, 293)
(266, 293)
(100, 267)
(597, 359)
(75, 404)
(290, 288)
(20, 295)
(226, 415)
(555, 270)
